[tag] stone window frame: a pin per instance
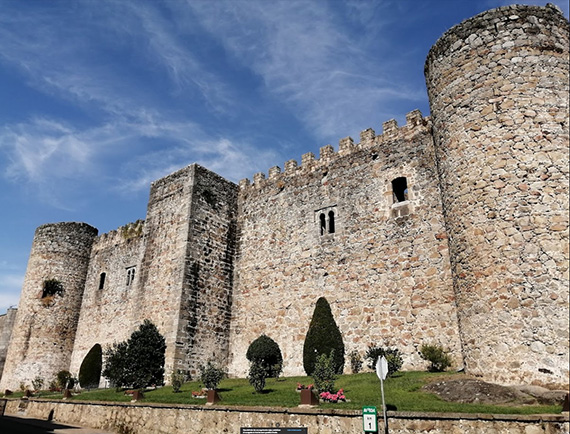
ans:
(396, 194)
(131, 273)
(326, 220)
(400, 208)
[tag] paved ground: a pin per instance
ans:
(20, 425)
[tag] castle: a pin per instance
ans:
(451, 229)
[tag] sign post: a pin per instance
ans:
(382, 372)
(369, 419)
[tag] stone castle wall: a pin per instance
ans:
(204, 318)
(498, 88)
(385, 269)
(174, 269)
(44, 330)
(473, 255)
(109, 308)
(6, 325)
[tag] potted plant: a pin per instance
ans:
(211, 375)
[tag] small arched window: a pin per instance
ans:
(326, 220)
(400, 189)
(323, 223)
(102, 280)
(331, 222)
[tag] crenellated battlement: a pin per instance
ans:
(123, 233)
(416, 123)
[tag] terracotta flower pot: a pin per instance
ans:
(212, 397)
(308, 397)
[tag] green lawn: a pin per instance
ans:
(402, 393)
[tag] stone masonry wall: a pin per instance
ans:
(44, 330)
(498, 88)
(204, 318)
(6, 325)
(142, 418)
(385, 270)
(159, 291)
(109, 310)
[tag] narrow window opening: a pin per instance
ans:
(130, 276)
(102, 280)
(323, 223)
(400, 189)
(331, 222)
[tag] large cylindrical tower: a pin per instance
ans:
(44, 331)
(498, 89)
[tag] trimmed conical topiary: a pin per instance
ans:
(322, 337)
(90, 370)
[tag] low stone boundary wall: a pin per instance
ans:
(139, 418)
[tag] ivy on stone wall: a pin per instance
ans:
(51, 288)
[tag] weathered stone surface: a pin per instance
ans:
(511, 288)
(6, 325)
(179, 419)
(471, 251)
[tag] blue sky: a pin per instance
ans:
(99, 98)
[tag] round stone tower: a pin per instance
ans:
(498, 89)
(45, 325)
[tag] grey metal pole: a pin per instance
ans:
(384, 406)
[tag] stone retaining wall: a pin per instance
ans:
(171, 419)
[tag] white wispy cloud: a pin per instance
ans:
(307, 59)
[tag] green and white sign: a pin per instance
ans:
(369, 419)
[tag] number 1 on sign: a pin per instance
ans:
(369, 420)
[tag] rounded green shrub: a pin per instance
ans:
(437, 356)
(65, 380)
(322, 337)
(392, 355)
(265, 352)
(211, 375)
(90, 369)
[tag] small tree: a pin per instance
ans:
(116, 364)
(324, 374)
(65, 380)
(146, 348)
(266, 353)
(38, 383)
(392, 355)
(437, 356)
(211, 375)
(90, 370)
(322, 337)
(257, 375)
(138, 362)
(177, 379)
